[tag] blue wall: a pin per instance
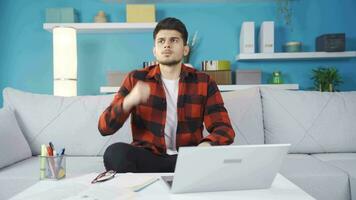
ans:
(26, 49)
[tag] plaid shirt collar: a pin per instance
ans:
(155, 72)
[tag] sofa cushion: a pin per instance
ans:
(345, 162)
(245, 112)
(319, 179)
(13, 145)
(70, 122)
(313, 122)
(18, 177)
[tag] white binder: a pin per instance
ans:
(266, 37)
(247, 37)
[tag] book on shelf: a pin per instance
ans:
(221, 77)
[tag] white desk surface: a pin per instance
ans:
(281, 188)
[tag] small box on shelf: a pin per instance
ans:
(140, 13)
(61, 15)
(247, 77)
(221, 77)
(215, 65)
(332, 42)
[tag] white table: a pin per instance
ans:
(280, 189)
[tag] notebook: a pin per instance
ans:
(134, 182)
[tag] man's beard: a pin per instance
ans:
(169, 62)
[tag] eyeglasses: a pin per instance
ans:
(104, 176)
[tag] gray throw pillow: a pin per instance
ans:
(245, 112)
(69, 122)
(13, 145)
(313, 122)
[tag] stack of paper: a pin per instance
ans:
(123, 186)
(74, 191)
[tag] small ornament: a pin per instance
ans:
(100, 17)
(277, 77)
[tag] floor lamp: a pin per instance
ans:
(64, 61)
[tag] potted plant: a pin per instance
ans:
(326, 79)
(284, 10)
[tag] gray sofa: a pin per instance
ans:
(320, 126)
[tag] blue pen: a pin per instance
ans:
(60, 163)
(61, 154)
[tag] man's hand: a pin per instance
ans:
(139, 94)
(204, 144)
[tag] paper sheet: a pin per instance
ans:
(120, 187)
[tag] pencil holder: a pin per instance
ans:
(52, 167)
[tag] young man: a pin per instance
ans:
(168, 104)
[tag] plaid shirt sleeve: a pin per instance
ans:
(216, 118)
(114, 116)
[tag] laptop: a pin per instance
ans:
(223, 168)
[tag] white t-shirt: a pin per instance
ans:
(170, 129)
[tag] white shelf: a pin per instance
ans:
(103, 27)
(275, 86)
(194, 1)
(295, 56)
(109, 89)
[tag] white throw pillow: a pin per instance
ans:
(13, 145)
(69, 122)
(313, 122)
(245, 112)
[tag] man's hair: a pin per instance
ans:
(171, 23)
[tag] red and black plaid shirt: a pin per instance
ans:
(199, 100)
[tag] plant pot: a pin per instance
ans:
(326, 88)
(331, 87)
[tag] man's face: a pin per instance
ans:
(169, 48)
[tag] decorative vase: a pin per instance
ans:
(292, 47)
